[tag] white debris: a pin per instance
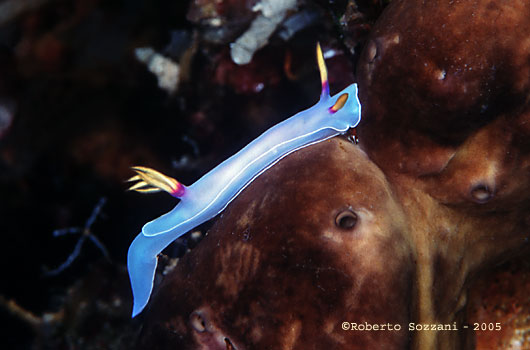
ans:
(272, 14)
(297, 22)
(166, 71)
(172, 263)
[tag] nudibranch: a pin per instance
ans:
(208, 196)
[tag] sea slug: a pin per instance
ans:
(208, 196)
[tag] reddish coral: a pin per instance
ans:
(251, 78)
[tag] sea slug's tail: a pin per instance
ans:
(141, 264)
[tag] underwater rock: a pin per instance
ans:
(445, 114)
(502, 301)
(293, 257)
(435, 72)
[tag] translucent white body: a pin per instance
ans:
(208, 196)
